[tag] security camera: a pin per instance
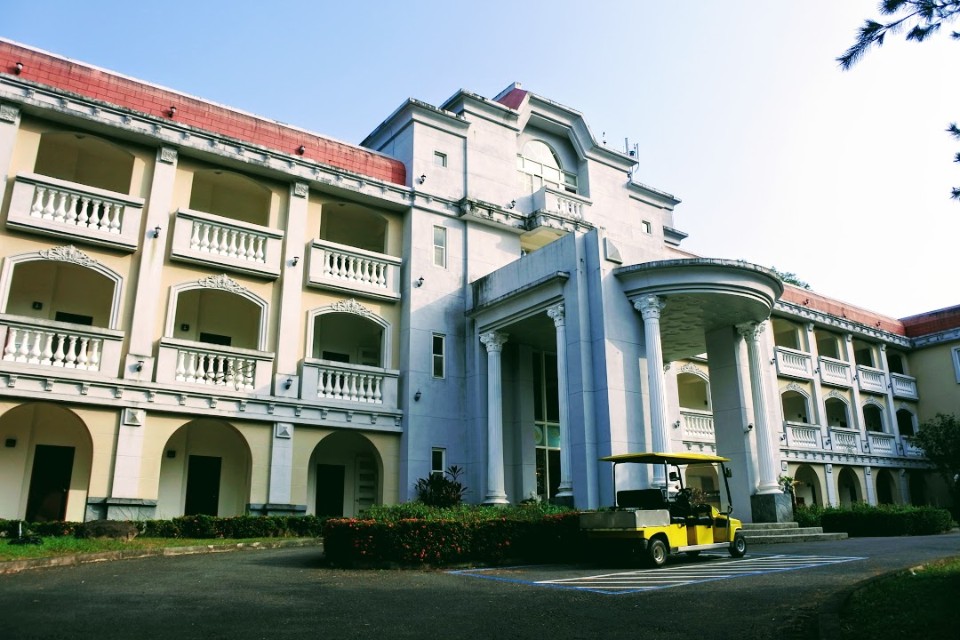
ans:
(748, 429)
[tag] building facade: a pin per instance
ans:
(205, 311)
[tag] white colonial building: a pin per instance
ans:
(204, 311)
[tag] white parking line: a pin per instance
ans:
(632, 581)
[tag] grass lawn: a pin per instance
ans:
(918, 603)
(60, 546)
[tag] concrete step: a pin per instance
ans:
(792, 531)
(752, 526)
(807, 537)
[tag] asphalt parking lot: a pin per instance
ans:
(289, 593)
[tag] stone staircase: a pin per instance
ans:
(776, 532)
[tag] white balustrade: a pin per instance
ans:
(349, 385)
(794, 363)
(354, 269)
(904, 386)
(50, 206)
(804, 437)
(213, 368)
(910, 448)
(871, 379)
(882, 443)
(220, 240)
(835, 372)
(46, 347)
(846, 441)
(697, 426)
(225, 243)
(558, 209)
(346, 268)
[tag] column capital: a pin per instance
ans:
(751, 330)
(556, 314)
(494, 340)
(9, 112)
(301, 189)
(649, 306)
(167, 155)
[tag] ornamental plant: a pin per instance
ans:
(441, 490)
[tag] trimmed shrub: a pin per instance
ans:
(888, 520)
(808, 516)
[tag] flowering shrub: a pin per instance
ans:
(198, 526)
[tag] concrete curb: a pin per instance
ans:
(16, 566)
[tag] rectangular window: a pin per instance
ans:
(439, 159)
(439, 348)
(956, 362)
(438, 461)
(440, 247)
(647, 227)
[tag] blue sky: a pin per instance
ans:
(738, 107)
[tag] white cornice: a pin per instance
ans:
(842, 324)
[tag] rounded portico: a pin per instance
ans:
(716, 307)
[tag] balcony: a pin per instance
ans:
(881, 444)
(835, 372)
(794, 364)
(845, 440)
(349, 384)
(220, 369)
(344, 268)
(803, 436)
(697, 426)
(904, 387)
(910, 449)
(62, 209)
(224, 243)
(59, 346)
(871, 380)
(558, 210)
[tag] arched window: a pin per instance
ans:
(905, 422)
(794, 406)
(539, 166)
(872, 417)
(837, 413)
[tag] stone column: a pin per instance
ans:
(288, 353)
(832, 498)
(650, 307)
(152, 254)
(496, 494)
(565, 491)
(868, 488)
(891, 412)
(281, 464)
(765, 462)
(856, 411)
(9, 125)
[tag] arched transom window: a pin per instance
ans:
(539, 166)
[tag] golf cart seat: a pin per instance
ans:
(641, 499)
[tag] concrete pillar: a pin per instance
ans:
(891, 417)
(126, 469)
(288, 354)
(765, 461)
(650, 308)
(496, 494)
(868, 486)
(152, 254)
(832, 499)
(565, 491)
(281, 464)
(9, 125)
(819, 408)
(856, 419)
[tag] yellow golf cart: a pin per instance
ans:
(650, 524)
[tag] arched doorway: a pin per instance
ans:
(205, 470)
(886, 487)
(807, 490)
(849, 491)
(45, 475)
(917, 484)
(345, 476)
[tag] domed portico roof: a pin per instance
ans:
(700, 295)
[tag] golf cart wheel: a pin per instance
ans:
(739, 545)
(657, 553)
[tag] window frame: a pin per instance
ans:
(434, 471)
(442, 355)
(956, 362)
(441, 247)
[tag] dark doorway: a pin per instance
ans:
(330, 489)
(203, 486)
(49, 483)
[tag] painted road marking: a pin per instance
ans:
(635, 581)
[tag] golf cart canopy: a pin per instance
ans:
(665, 458)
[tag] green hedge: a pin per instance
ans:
(477, 537)
(188, 527)
(861, 520)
